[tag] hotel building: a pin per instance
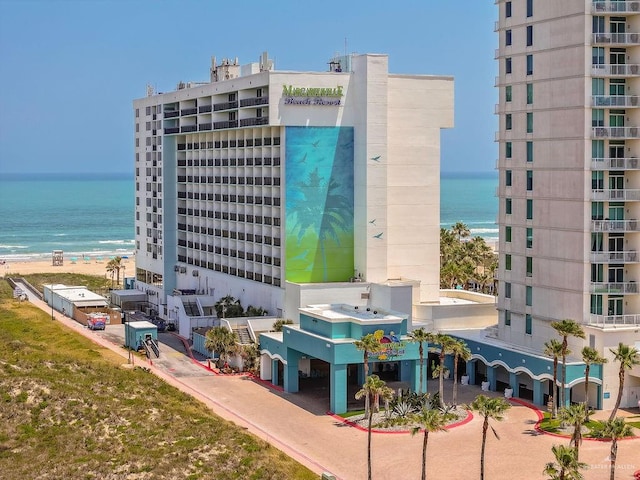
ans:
(569, 186)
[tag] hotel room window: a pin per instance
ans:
(507, 234)
(529, 209)
(529, 93)
(529, 35)
(529, 122)
(508, 149)
(529, 64)
(507, 262)
(527, 324)
(529, 266)
(529, 180)
(507, 65)
(508, 91)
(508, 177)
(529, 237)
(529, 8)
(508, 121)
(507, 206)
(529, 296)
(507, 318)
(529, 151)
(507, 290)
(507, 10)
(507, 37)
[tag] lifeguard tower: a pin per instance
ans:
(57, 258)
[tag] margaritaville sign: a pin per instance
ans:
(312, 95)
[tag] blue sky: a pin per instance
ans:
(69, 70)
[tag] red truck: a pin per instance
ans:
(96, 323)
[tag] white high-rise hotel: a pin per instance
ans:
(569, 183)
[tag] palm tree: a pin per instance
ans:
(566, 328)
(460, 351)
(420, 336)
(553, 348)
(221, 340)
(628, 358)
(368, 344)
(373, 388)
(590, 356)
(113, 267)
(575, 415)
(429, 420)
(461, 230)
(488, 408)
(228, 307)
(567, 466)
(614, 429)
(445, 345)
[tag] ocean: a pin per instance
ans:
(93, 215)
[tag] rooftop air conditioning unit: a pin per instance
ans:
(194, 273)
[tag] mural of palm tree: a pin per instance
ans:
(566, 328)
(373, 389)
(614, 429)
(488, 408)
(628, 358)
(590, 356)
(575, 415)
(420, 336)
(553, 348)
(566, 466)
(460, 351)
(429, 420)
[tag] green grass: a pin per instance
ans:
(352, 413)
(553, 426)
(93, 282)
(69, 410)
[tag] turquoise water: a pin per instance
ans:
(93, 215)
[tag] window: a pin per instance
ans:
(507, 262)
(529, 64)
(529, 122)
(597, 272)
(597, 150)
(508, 121)
(508, 149)
(529, 93)
(597, 210)
(507, 37)
(529, 296)
(507, 318)
(527, 324)
(507, 65)
(529, 151)
(508, 92)
(597, 88)
(529, 35)
(597, 56)
(529, 266)
(616, 88)
(597, 180)
(507, 290)
(507, 234)
(529, 209)
(508, 178)
(529, 180)
(507, 10)
(529, 237)
(596, 304)
(529, 8)
(597, 118)
(507, 206)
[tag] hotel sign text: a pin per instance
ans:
(312, 96)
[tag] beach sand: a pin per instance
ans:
(94, 267)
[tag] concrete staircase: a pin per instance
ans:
(244, 338)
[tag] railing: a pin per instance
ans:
(615, 6)
(614, 163)
(614, 225)
(614, 101)
(204, 108)
(623, 194)
(614, 288)
(189, 111)
(169, 131)
(249, 102)
(171, 114)
(229, 124)
(615, 132)
(188, 128)
(619, 38)
(204, 126)
(248, 122)
(614, 257)
(225, 106)
(614, 70)
(632, 320)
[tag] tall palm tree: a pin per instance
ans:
(228, 307)
(460, 351)
(223, 341)
(369, 344)
(461, 230)
(429, 420)
(628, 358)
(488, 408)
(373, 389)
(420, 336)
(113, 267)
(590, 356)
(566, 328)
(444, 343)
(567, 466)
(614, 429)
(575, 415)
(553, 348)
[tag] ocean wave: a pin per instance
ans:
(94, 255)
(484, 230)
(14, 247)
(117, 242)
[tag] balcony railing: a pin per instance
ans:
(615, 163)
(619, 195)
(603, 321)
(188, 128)
(171, 114)
(616, 38)
(615, 132)
(204, 127)
(225, 106)
(619, 288)
(189, 111)
(615, 226)
(615, 7)
(614, 257)
(615, 70)
(614, 101)
(229, 124)
(170, 130)
(248, 122)
(249, 102)
(204, 108)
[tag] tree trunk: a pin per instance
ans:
(586, 391)
(614, 454)
(441, 379)
(619, 398)
(455, 380)
(564, 378)
(424, 454)
(485, 426)
(421, 352)
(369, 443)
(554, 409)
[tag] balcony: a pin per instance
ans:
(249, 122)
(169, 131)
(171, 114)
(617, 288)
(250, 102)
(615, 132)
(189, 111)
(614, 163)
(615, 226)
(229, 124)
(618, 195)
(614, 257)
(205, 109)
(615, 70)
(615, 38)
(224, 106)
(615, 7)
(188, 128)
(614, 101)
(604, 321)
(204, 127)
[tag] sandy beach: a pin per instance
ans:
(93, 267)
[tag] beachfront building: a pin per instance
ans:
(569, 192)
(283, 189)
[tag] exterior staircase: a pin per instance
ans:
(244, 338)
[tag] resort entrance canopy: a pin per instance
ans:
(328, 333)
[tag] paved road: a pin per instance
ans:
(298, 426)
